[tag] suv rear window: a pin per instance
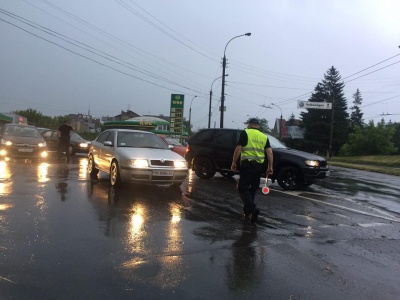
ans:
(204, 136)
(223, 137)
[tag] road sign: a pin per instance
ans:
(315, 105)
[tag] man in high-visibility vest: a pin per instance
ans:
(251, 147)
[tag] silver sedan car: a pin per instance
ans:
(135, 156)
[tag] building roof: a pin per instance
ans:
(148, 119)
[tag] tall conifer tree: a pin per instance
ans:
(317, 122)
(356, 116)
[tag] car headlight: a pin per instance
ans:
(312, 163)
(41, 145)
(180, 164)
(83, 145)
(3, 152)
(5, 142)
(141, 163)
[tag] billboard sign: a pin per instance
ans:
(176, 115)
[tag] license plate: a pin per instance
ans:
(25, 150)
(163, 173)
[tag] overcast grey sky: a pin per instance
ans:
(62, 57)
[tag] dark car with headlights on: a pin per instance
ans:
(77, 144)
(21, 141)
(211, 150)
(135, 156)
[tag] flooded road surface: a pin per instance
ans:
(378, 190)
(64, 236)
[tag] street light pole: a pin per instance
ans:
(190, 114)
(280, 122)
(209, 107)
(221, 124)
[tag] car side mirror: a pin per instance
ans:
(108, 143)
(171, 147)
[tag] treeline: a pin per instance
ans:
(340, 133)
(37, 119)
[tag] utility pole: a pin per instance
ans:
(221, 124)
(332, 116)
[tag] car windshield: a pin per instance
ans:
(76, 136)
(25, 131)
(139, 140)
(275, 143)
(171, 141)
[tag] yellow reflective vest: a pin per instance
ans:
(254, 150)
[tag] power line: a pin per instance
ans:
(160, 29)
(92, 50)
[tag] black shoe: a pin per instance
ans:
(254, 216)
(245, 216)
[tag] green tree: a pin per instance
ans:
(356, 116)
(36, 118)
(396, 135)
(317, 122)
(370, 140)
(263, 125)
(291, 120)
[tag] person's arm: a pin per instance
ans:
(270, 156)
(236, 155)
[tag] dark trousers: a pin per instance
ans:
(249, 183)
(63, 145)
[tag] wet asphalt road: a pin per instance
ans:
(64, 236)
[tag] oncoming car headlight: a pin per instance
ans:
(41, 145)
(180, 164)
(7, 143)
(312, 163)
(141, 163)
(83, 145)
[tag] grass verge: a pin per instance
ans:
(386, 164)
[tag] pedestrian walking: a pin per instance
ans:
(64, 132)
(251, 147)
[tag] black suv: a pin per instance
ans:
(211, 150)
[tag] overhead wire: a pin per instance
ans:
(91, 50)
(161, 29)
(137, 50)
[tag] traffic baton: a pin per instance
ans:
(265, 189)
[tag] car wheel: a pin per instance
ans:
(115, 176)
(92, 170)
(228, 174)
(71, 150)
(290, 178)
(204, 168)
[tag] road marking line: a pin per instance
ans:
(366, 225)
(388, 218)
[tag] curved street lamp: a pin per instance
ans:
(236, 124)
(190, 113)
(209, 107)
(221, 125)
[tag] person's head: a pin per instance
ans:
(253, 123)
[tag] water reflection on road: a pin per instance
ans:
(149, 220)
(374, 189)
